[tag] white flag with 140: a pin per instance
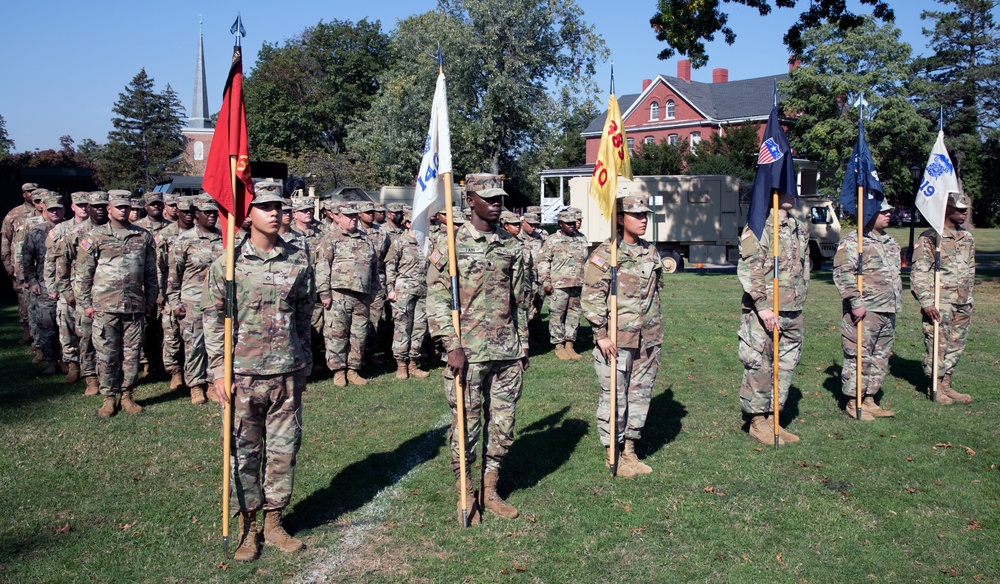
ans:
(429, 196)
(939, 180)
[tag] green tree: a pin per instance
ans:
(733, 150)
(506, 62)
(659, 158)
(6, 144)
(146, 135)
(837, 66)
(685, 25)
(301, 96)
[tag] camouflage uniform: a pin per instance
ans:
(191, 255)
(882, 299)
(271, 356)
(312, 236)
(346, 275)
(69, 340)
(43, 307)
(406, 275)
(68, 284)
(13, 224)
(755, 271)
(561, 266)
(958, 273)
(117, 271)
(173, 348)
(20, 236)
(154, 331)
(640, 332)
(534, 244)
(380, 241)
(494, 318)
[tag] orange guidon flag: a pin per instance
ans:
(612, 160)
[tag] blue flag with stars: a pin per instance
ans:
(861, 173)
(775, 170)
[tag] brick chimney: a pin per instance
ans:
(684, 70)
(794, 64)
(645, 83)
(720, 75)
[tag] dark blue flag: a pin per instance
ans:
(861, 173)
(775, 170)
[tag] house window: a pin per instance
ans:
(631, 150)
(672, 139)
(654, 111)
(670, 109)
(648, 140)
(695, 140)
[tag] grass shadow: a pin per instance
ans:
(552, 435)
(909, 370)
(359, 482)
(663, 422)
(834, 385)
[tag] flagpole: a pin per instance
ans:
(937, 307)
(776, 331)
(613, 335)
(227, 363)
(859, 330)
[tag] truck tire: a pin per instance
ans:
(672, 261)
(815, 257)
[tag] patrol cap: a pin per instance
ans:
(303, 204)
(365, 206)
(185, 203)
(633, 204)
(97, 198)
(509, 218)
(457, 217)
(53, 201)
(576, 211)
(170, 199)
(531, 218)
(28, 187)
(119, 198)
(533, 209)
(79, 197)
(407, 215)
(348, 209)
(885, 206)
(266, 191)
(394, 207)
(492, 193)
(38, 194)
(407, 207)
(206, 204)
(566, 216)
(958, 200)
(154, 197)
(379, 208)
(482, 181)
(138, 202)
(286, 204)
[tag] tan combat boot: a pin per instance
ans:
(51, 368)
(354, 379)
(492, 501)
(763, 432)
(786, 436)
(946, 388)
(25, 336)
(852, 411)
(107, 408)
(473, 515)
(198, 395)
(63, 367)
(561, 353)
(874, 409)
(247, 536)
(940, 397)
(72, 373)
(569, 352)
(415, 371)
(623, 470)
(129, 405)
(275, 534)
(176, 380)
(38, 355)
(401, 370)
(340, 378)
(628, 455)
(93, 388)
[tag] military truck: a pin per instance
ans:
(699, 219)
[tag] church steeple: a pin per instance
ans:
(199, 111)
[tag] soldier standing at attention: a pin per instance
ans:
(21, 230)
(271, 358)
(380, 241)
(560, 268)
(406, 282)
(958, 273)
(173, 343)
(43, 304)
(346, 280)
(11, 224)
(394, 226)
(191, 255)
(755, 271)
(69, 340)
(876, 309)
(154, 222)
(118, 288)
(640, 330)
(531, 235)
(493, 351)
(170, 210)
(310, 233)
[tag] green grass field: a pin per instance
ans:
(910, 499)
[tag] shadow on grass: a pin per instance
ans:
(539, 450)
(359, 482)
(663, 423)
(834, 385)
(909, 370)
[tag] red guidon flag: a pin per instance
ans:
(230, 140)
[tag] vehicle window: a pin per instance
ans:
(821, 215)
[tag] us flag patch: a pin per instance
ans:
(85, 244)
(598, 261)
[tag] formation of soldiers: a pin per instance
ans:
(131, 280)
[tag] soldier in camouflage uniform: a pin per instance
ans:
(69, 340)
(43, 299)
(191, 255)
(310, 233)
(958, 273)
(17, 246)
(755, 271)
(876, 309)
(406, 282)
(118, 288)
(640, 331)
(536, 212)
(68, 287)
(346, 281)
(394, 225)
(170, 210)
(11, 224)
(493, 351)
(560, 268)
(155, 223)
(274, 298)
(173, 344)
(531, 236)
(380, 241)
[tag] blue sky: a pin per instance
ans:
(65, 62)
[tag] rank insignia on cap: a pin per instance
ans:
(85, 244)
(598, 261)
